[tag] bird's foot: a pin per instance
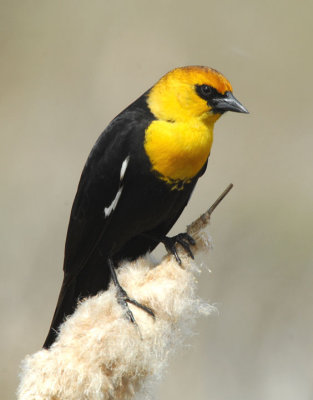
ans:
(123, 299)
(184, 240)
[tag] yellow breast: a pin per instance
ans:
(178, 150)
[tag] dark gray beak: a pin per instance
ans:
(227, 102)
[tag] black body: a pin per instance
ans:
(147, 205)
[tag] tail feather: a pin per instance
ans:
(91, 280)
(65, 306)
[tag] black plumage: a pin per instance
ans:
(145, 212)
(124, 207)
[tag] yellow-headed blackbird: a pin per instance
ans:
(138, 179)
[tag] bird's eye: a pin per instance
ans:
(206, 90)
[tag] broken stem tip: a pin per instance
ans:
(219, 199)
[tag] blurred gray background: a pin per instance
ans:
(66, 69)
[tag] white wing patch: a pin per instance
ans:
(112, 206)
(123, 169)
(108, 210)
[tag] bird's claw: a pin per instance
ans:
(184, 240)
(123, 299)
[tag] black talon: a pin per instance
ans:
(184, 240)
(123, 298)
(142, 306)
(190, 239)
(186, 247)
(169, 244)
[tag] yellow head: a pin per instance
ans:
(192, 92)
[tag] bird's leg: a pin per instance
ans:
(123, 298)
(183, 239)
(170, 243)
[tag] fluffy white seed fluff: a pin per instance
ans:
(99, 354)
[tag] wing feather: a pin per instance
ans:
(98, 190)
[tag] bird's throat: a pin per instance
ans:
(178, 150)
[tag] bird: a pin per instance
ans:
(136, 182)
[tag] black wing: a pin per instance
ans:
(98, 187)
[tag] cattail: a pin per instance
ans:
(99, 354)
